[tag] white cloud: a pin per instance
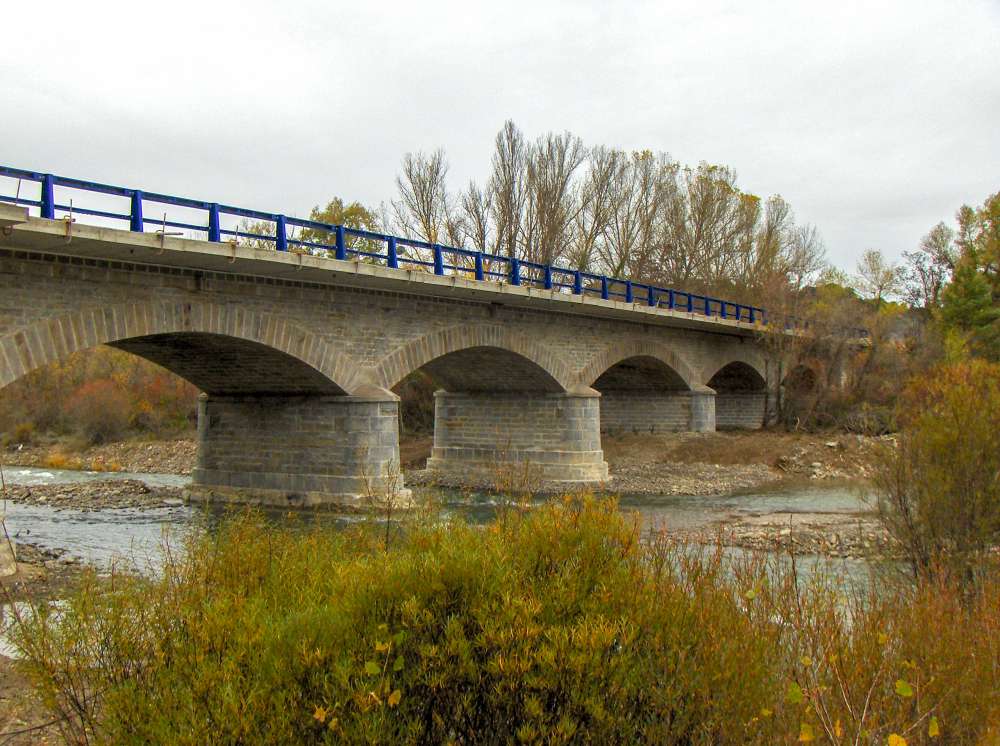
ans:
(875, 120)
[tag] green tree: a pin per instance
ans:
(970, 307)
(970, 304)
(350, 215)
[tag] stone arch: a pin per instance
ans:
(144, 328)
(738, 374)
(621, 351)
(459, 340)
(802, 379)
(741, 398)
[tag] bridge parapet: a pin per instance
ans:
(218, 222)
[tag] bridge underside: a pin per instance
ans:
(499, 416)
(274, 430)
(644, 395)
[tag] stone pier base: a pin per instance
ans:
(624, 412)
(298, 450)
(555, 436)
(740, 410)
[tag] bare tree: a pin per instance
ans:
(423, 209)
(507, 186)
(928, 269)
(804, 256)
(877, 278)
(639, 215)
(596, 206)
(552, 201)
(638, 189)
(476, 207)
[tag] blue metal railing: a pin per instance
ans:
(391, 251)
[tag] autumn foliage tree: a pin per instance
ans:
(939, 489)
(100, 394)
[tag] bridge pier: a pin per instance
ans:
(553, 436)
(658, 412)
(297, 450)
(740, 410)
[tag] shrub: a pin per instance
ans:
(153, 400)
(554, 626)
(938, 490)
(100, 410)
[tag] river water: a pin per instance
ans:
(136, 536)
(102, 536)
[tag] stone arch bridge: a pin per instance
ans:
(297, 357)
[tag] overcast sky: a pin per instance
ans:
(875, 120)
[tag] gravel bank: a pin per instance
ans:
(136, 456)
(839, 535)
(98, 495)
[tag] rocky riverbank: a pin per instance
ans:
(835, 535)
(96, 495)
(627, 479)
(175, 456)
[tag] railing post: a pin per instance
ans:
(280, 233)
(135, 214)
(480, 274)
(671, 299)
(722, 309)
(650, 296)
(391, 254)
(48, 206)
(341, 243)
(752, 310)
(547, 279)
(690, 303)
(628, 291)
(438, 260)
(604, 287)
(515, 272)
(577, 283)
(708, 306)
(214, 229)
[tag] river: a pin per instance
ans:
(99, 537)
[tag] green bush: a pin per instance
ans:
(555, 626)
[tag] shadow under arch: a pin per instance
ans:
(671, 367)
(478, 358)
(741, 399)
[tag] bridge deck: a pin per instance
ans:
(21, 231)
